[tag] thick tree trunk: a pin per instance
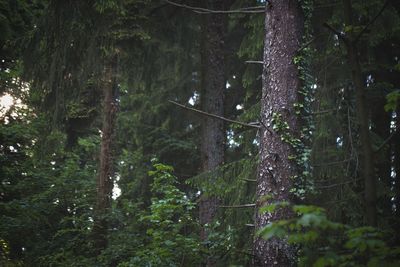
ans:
(212, 101)
(367, 166)
(104, 179)
(284, 29)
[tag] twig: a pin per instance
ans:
(215, 116)
(326, 5)
(249, 180)
(357, 38)
(331, 163)
(329, 27)
(372, 21)
(338, 184)
(239, 206)
(341, 200)
(323, 111)
(340, 35)
(265, 126)
(304, 46)
(253, 62)
(386, 141)
(200, 10)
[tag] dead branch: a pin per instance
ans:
(321, 112)
(337, 184)
(215, 116)
(372, 21)
(386, 141)
(340, 35)
(238, 206)
(250, 180)
(332, 163)
(254, 62)
(201, 10)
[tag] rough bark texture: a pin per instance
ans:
(104, 179)
(212, 101)
(284, 28)
(367, 166)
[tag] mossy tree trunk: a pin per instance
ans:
(284, 25)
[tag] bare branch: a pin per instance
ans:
(337, 184)
(200, 10)
(239, 206)
(321, 112)
(357, 38)
(253, 62)
(342, 200)
(327, 5)
(215, 116)
(340, 35)
(386, 141)
(332, 163)
(305, 45)
(250, 180)
(372, 21)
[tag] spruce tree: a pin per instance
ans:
(280, 130)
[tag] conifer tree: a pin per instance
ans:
(212, 101)
(281, 84)
(105, 174)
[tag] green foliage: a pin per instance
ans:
(47, 193)
(103, 6)
(221, 240)
(171, 238)
(322, 242)
(227, 180)
(5, 255)
(392, 101)
(233, 183)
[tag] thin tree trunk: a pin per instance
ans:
(367, 166)
(104, 179)
(212, 101)
(381, 126)
(284, 28)
(396, 148)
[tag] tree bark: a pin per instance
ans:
(212, 101)
(396, 148)
(380, 120)
(367, 165)
(284, 25)
(104, 179)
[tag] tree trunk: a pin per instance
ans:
(381, 126)
(212, 101)
(396, 163)
(104, 179)
(367, 165)
(284, 28)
